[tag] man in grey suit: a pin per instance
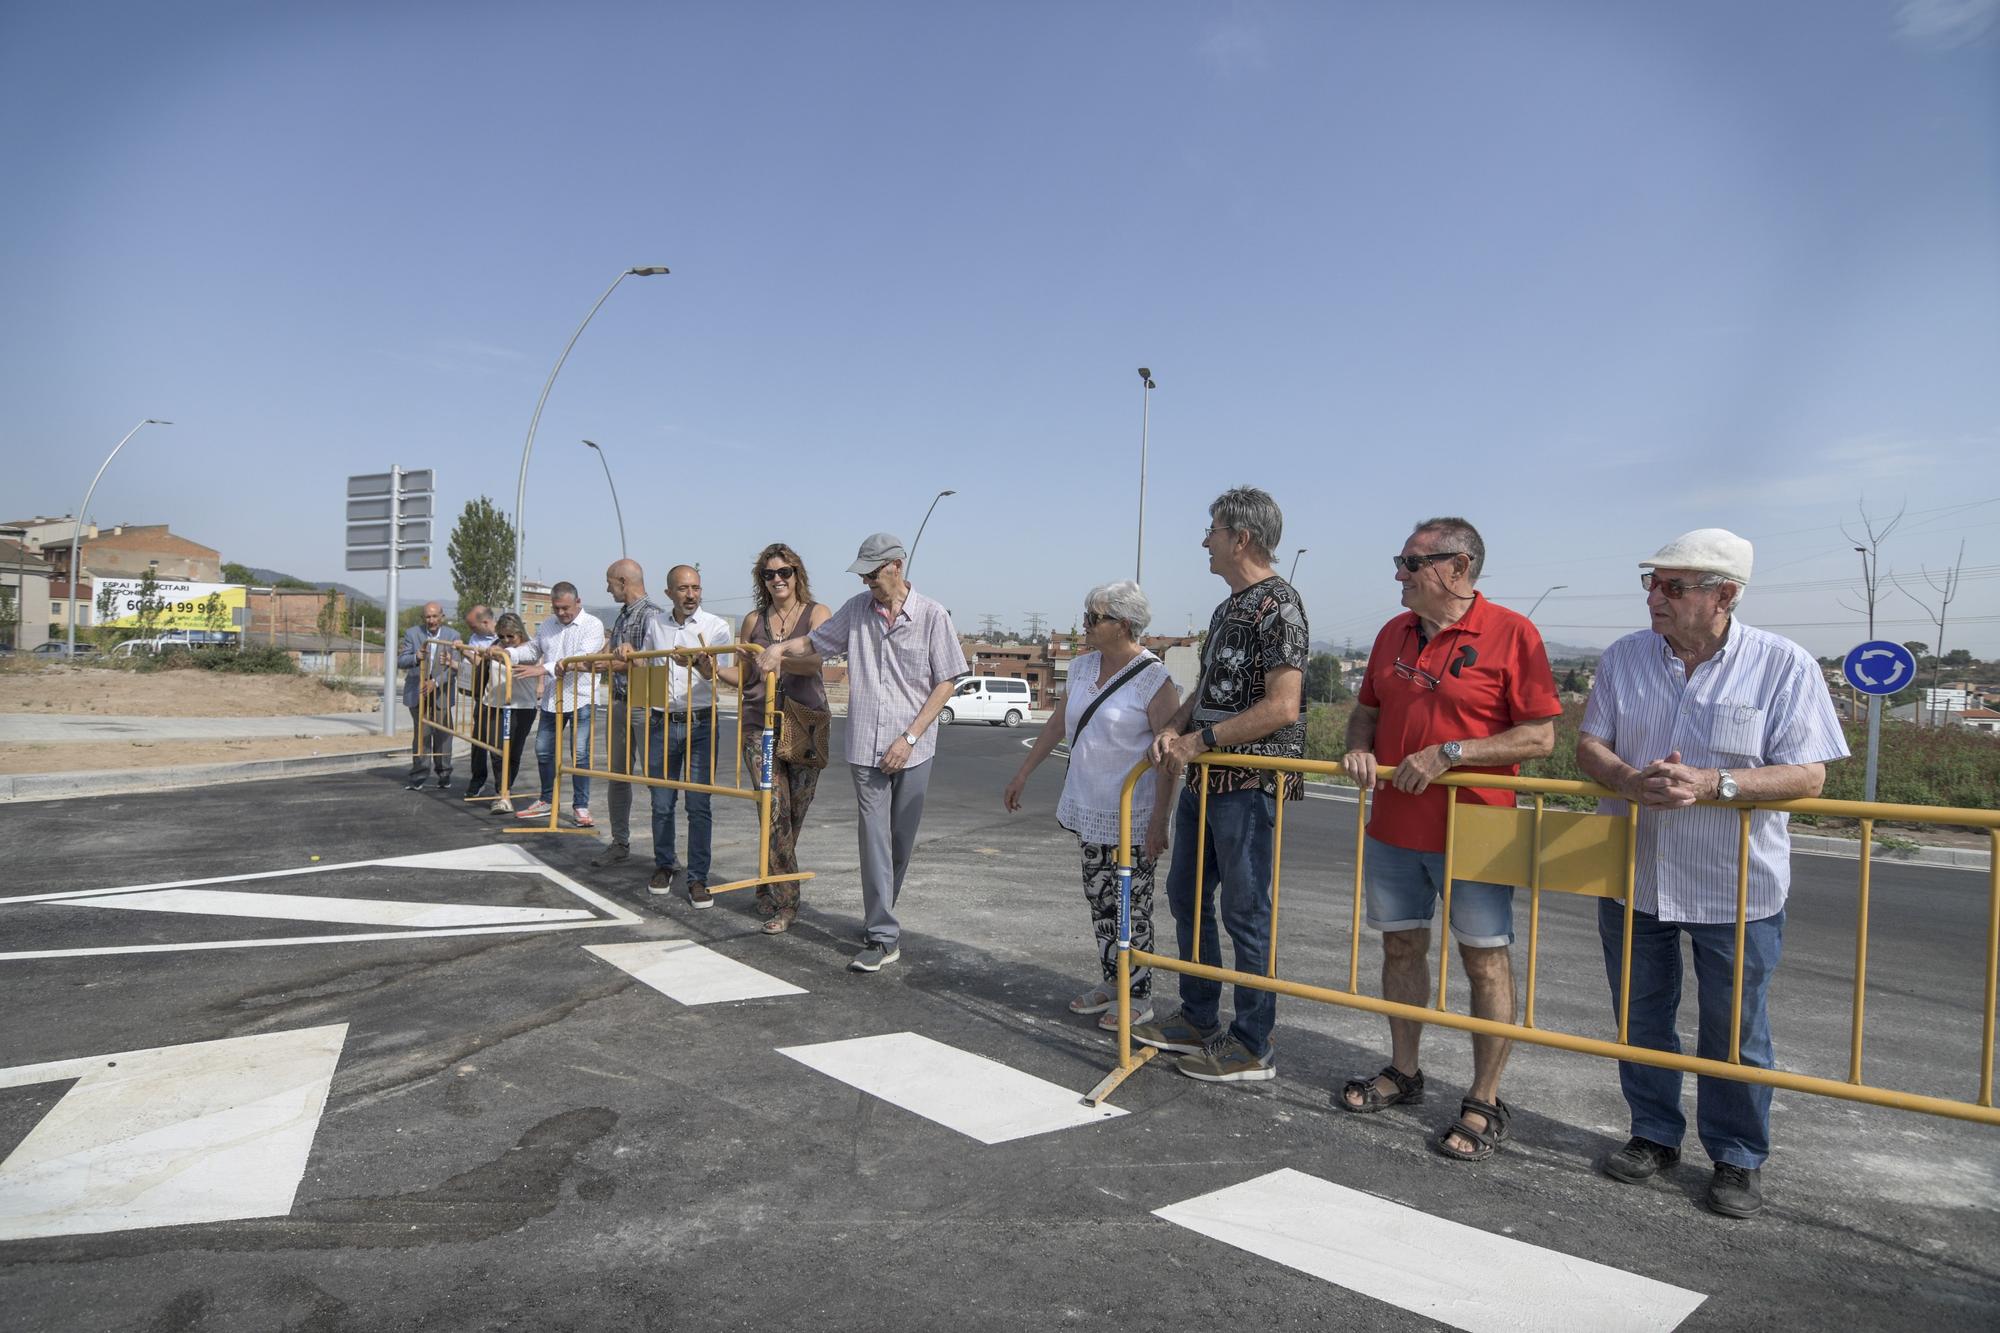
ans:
(419, 640)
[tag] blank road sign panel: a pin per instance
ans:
(417, 506)
(368, 534)
(364, 560)
(371, 511)
(414, 559)
(417, 481)
(412, 534)
(372, 483)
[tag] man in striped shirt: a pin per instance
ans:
(1703, 708)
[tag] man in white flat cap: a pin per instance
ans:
(1703, 708)
(903, 660)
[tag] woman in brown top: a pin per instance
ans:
(785, 610)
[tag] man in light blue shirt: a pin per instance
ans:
(1703, 708)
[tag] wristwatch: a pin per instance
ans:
(1452, 751)
(1208, 736)
(909, 740)
(1725, 785)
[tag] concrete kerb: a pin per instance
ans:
(104, 782)
(1813, 844)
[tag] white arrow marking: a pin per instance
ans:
(207, 1132)
(348, 911)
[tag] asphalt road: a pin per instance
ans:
(518, 1134)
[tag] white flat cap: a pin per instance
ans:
(1706, 551)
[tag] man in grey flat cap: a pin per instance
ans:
(1702, 708)
(903, 659)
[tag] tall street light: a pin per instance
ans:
(1145, 422)
(623, 550)
(521, 490)
(1543, 598)
(920, 531)
(76, 534)
(1293, 576)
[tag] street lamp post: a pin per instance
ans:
(521, 489)
(920, 531)
(1544, 597)
(623, 550)
(76, 533)
(1145, 424)
(1293, 576)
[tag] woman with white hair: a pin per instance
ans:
(1119, 697)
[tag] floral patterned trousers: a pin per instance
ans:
(792, 788)
(1100, 888)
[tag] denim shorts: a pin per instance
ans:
(1402, 894)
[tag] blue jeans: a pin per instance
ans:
(674, 743)
(1237, 871)
(545, 753)
(1732, 1118)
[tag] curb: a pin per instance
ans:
(105, 782)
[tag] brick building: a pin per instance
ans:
(127, 551)
(285, 611)
(24, 595)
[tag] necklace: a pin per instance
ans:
(781, 630)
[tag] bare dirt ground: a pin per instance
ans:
(107, 692)
(95, 756)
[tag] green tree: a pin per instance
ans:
(328, 622)
(1572, 683)
(10, 616)
(1323, 684)
(214, 615)
(235, 572)
(150, 605)
(100, 630)
(482, 556)
(1958, 659)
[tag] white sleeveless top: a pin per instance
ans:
(1117, 738)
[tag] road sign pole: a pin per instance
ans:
(1874, 744)
(389, 633)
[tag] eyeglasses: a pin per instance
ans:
(876, 572)
(1416, 673)
(786, 572)
(1413, 563)
(1213, 530)
(1091, 620)
(1675, 589)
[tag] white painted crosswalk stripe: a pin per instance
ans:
(347, 911)
(206, 1132)
(1458, 1275)
(980, 1098)
(685, 971)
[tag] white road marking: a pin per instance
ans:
(207, 1132)
(349, 911)
(1458, 1275)
(980, 1098)
(685, 971)
(499, 859)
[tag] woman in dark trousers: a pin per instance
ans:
(519, 705)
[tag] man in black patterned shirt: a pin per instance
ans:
(626, 582)
(1250, 700)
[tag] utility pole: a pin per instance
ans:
(1036, 620)
(989, 625)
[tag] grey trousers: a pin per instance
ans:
(891, 806)
(621, 792)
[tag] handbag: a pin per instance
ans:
(803, 733)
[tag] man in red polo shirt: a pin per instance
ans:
(1453, 682)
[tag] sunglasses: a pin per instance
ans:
(1413, 563)
(786, 572)
(1675, 589)
(1416, 673)
(1091, 620)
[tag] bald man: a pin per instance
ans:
(626, 582)
(687, 732)
(417, 641)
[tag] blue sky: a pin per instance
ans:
(1590, 274)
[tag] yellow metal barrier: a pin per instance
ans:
(1540, 849)
(648, 692)
(450, 679)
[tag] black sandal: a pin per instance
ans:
(1484, 1141)
(1409, 1090)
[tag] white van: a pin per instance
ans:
(996, 700)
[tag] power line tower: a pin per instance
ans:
(989, 626)
(1036, 621)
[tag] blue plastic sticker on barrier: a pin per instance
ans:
(770, 757)
(1125, 907)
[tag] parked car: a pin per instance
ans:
(999, 701)
(60, 648)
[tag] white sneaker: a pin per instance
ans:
(503, 806)
(536, 811)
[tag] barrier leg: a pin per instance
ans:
(1992, 971)
(1360, 853)
(1860, 954)
(1127, 1060)
(1742, 925)
(1534, 911)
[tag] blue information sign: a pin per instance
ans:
(1880, 667)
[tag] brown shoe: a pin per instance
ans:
(662, 881)
(698, 894)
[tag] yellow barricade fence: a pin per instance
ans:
(1540, 849)
(451, 680)
(647, 714)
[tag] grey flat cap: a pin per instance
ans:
(877, 551)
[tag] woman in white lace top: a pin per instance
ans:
(1118, 696)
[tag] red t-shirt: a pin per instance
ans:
(1492, 673)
